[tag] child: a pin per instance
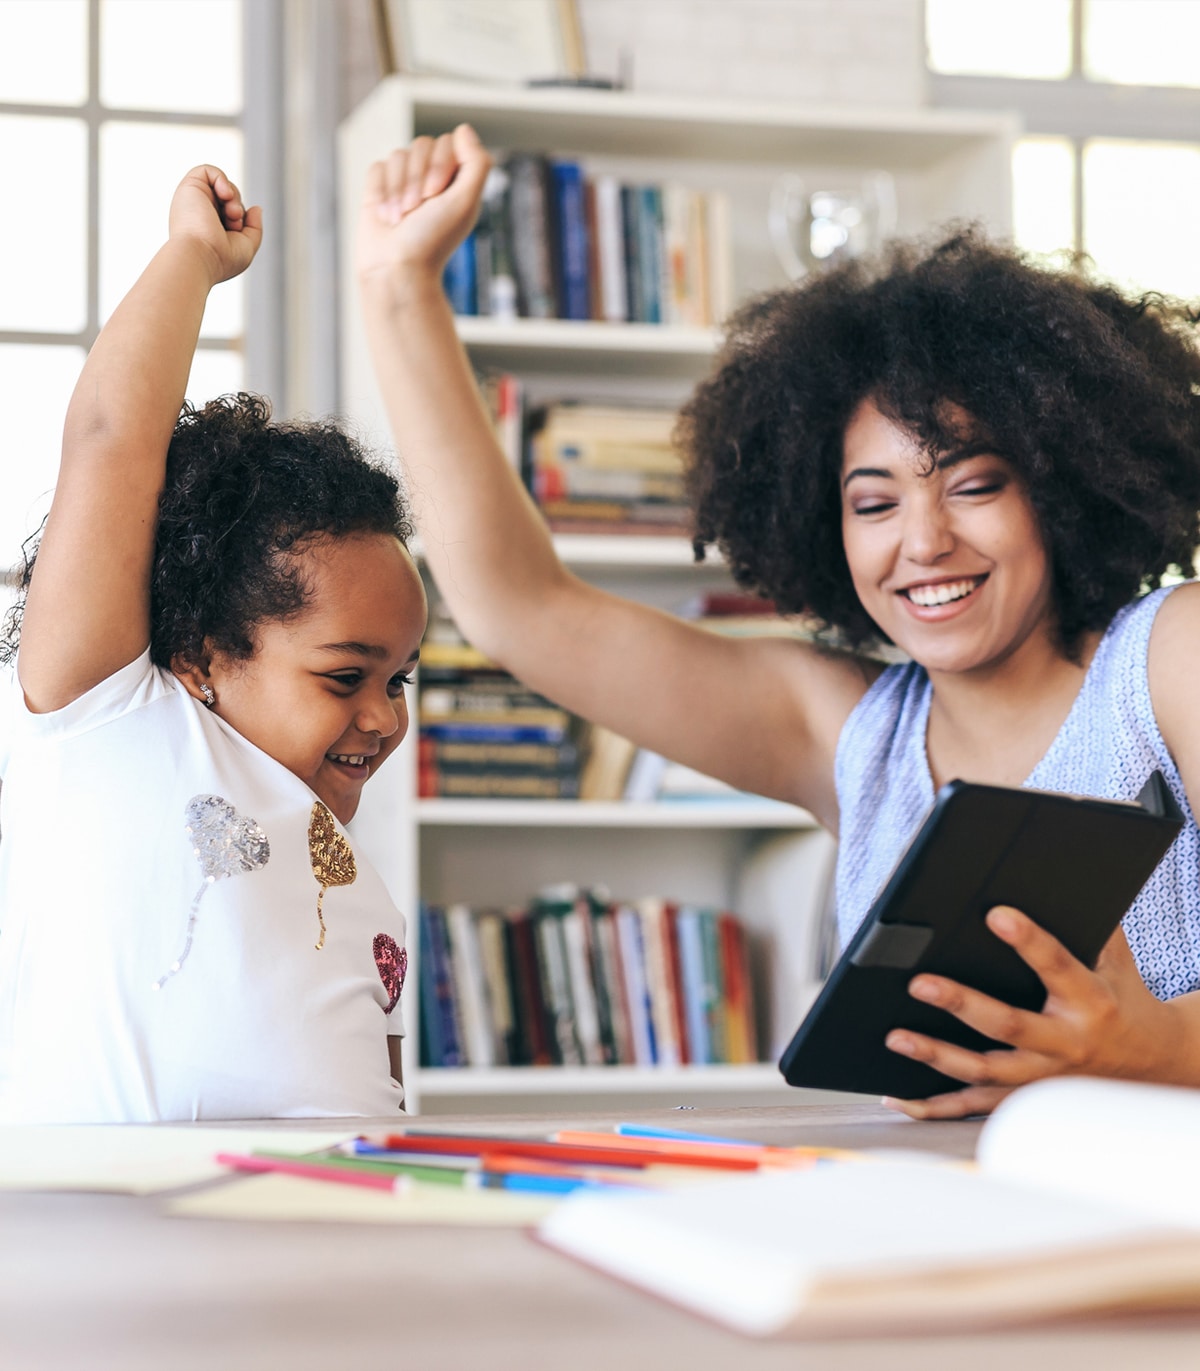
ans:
(213, 653)
(977, 460)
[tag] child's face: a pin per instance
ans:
(950, 564)
(324, 692)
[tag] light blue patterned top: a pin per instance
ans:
(1107, 746)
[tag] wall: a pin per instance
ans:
(841, 51)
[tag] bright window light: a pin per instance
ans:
(43, 52)
(1142, 42)
(1044, 195)
(1141, 205)
(1029, 38)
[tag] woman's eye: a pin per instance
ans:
(880, 508)
(986, 488)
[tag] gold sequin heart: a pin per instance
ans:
(332, 859)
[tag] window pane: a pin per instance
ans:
(1142, 42)
(999, 37)
(35, 385)
(1141, 205)
(140, 166)
(186, 55)
(43, 52)
(1044, 194)
(214, 372)
(46, 161)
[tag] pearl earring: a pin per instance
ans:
(210, 697)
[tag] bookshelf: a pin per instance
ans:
(766, 861)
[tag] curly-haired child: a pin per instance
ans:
(977, 460)
(216, 631)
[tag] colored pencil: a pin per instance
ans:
(700, 1153)
(612, 1153)
(314, 1171)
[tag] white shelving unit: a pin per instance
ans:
(767, 861)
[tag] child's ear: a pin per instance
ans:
(195, 673)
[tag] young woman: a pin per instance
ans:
(217, 629)
(979, 461)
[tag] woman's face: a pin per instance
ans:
(324, 692)
(951, 564)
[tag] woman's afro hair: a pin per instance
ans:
(1093, 396)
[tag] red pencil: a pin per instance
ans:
(559, 1152)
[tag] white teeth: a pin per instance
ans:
(927, 596)
(349, 760)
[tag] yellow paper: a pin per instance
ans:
(296, 1198)
(136, 1159)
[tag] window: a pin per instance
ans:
(103, 105)
(1110, 93)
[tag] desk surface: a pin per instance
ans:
(93, 1283)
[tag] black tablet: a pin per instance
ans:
(1072, 863)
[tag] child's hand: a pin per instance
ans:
(421, 203)
(1094, 1023)
(207, 209)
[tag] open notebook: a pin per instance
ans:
(1084, 1198)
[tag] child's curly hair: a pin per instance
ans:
(242, 493)
(1094, 397)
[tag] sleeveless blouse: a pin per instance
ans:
(1108, 745)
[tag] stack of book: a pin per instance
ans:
(605, 469)
(574, 979)
(485, 735)
(555, 243)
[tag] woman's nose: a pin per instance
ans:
(927, 533)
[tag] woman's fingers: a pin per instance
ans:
(958, 1104)
(1000, 1067)
(1063, 975)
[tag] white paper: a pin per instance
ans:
(137, 1159)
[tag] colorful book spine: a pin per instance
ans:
(458, 278)
(573, 251)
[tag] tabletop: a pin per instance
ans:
(100, 1282)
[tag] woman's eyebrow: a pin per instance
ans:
(867, 471)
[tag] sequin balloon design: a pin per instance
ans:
(392, 961)
(332, 859)
(225, 843)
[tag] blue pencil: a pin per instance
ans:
(638, 1130)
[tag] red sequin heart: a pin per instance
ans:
(392, 961)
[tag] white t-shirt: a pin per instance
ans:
(128, 816)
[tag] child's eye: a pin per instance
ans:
(346, 679)
(398, 682)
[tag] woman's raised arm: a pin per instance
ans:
(763, 715)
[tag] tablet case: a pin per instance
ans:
(1074, 864)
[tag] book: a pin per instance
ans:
(610, 251)
(470, 989)
(1084, 1202)
(573, 250)
(660, 980)
(608, 760)
(497, 975)
(637, 991)
(529, 201)
(458, 277)
(447, 1036)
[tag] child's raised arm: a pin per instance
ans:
(88, 609)
(762, 714)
